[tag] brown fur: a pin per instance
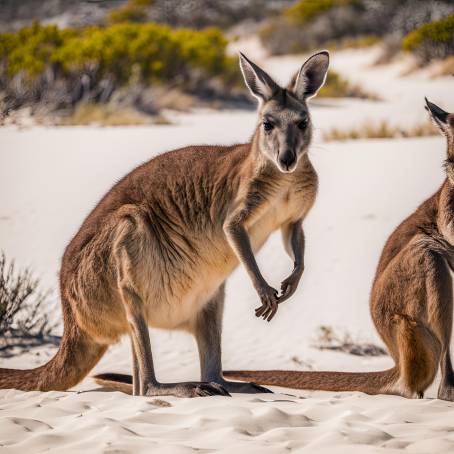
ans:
(158, 248)
(411, 302)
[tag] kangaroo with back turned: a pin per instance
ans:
(158, 248)
(411, 301)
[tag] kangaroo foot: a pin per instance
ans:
(446, 392)
(243, 387)
(186, 389)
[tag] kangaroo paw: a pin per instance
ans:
(187, 389)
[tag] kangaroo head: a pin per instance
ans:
(284, 129)
(445, 123)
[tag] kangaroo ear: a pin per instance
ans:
(311, 76)
(260, 84)
(438, 115)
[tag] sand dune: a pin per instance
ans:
(113, 422)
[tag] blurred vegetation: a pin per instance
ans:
(434, 40)
(328, 338)
(338, 87)
(64, 66)
(129, 63)
(381, 130)
(311, 24)
(358, 42)
(306, 10)
(446, 68)
(196, 14)
(86, 113)
(129, 66)
(158, 52)
(133, 11)
(23, 320)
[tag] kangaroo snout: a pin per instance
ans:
(287, 161)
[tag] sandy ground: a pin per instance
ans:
(50, 178)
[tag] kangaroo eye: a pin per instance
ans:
(267, 126)
(303, 123)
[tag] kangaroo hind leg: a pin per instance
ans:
(440, 293)
(419, 355)
(128, 263)
(207, 327)
(423, 337)
(135, 370)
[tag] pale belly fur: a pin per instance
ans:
(183, 307)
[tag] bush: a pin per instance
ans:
(224, 14)
(306, 10)
(338, 87)
(328, 339)
(31, 48)
(434, 40)
(311, 24)
(133, 11)
(48, 64)
(160, 53)
(359, 42)
(22, 321)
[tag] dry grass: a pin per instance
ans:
(328, 339)
(301, 363)
(337, 86)
(356, 42)
(446, 68)
(23, 320)
(174, 99)
(382, 130)
(104, 115)
(434, 69)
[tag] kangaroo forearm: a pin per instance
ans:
(294, 243)
(241, 244)
(297, 244)
(293, 237)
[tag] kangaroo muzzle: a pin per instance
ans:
(287, 161)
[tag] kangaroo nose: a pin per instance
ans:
(286, 159)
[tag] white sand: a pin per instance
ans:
(50, 178)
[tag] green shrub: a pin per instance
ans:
(434, 40)
(31, 48)
(155, 52)
(310, 24)
(59, 68)
(357, 42)
(306, 10)
(133, 11)
(335, 86)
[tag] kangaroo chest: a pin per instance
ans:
(217, 259)
(286, 206)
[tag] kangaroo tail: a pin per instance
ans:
(117, 382)
(367, 382)
(76, 356)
